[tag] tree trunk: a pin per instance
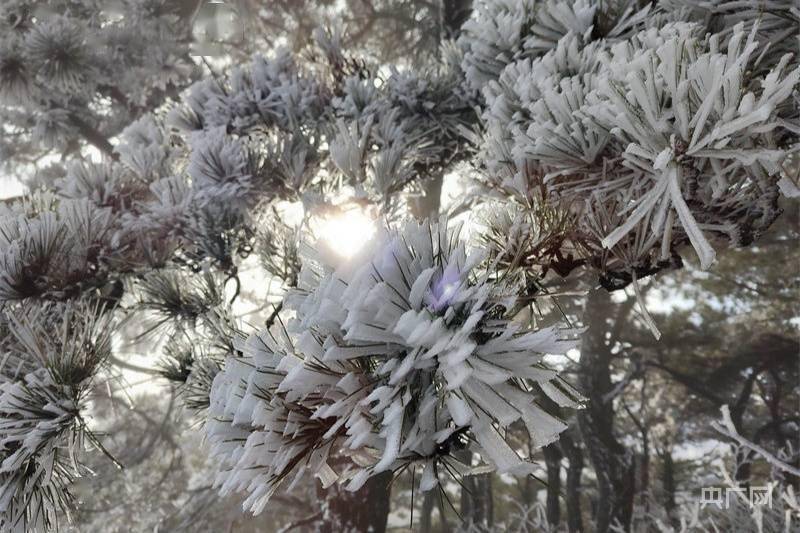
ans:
(530, 485)
(574, 455)
(427, 205)
(364, 510)
(668, 485)
(444, 525)
(552, 460)
(612, 464)
(454, 14)
(427, 512)
(737, 410)
(477, 507)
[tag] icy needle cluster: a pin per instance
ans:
(50, 353)
(653, 129)
(399, 356)
(84, 70)
(275, 127)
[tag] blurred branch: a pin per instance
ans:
(727, 429)
(693, 384)
(130, 366)
(300, 523)
(93, 136)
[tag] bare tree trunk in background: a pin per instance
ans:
(432, 498)
(453, 14)
(427, 205)
(426, 522)
(737, 410)
(612, 464)
(668, 485)
(553, 455)
(552, 461)
(529, 487)
(574, 455)
(366, 509)
(642, 460)
(444, 526)
(477, 507)
(427, 512)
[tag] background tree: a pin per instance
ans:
(75, 74)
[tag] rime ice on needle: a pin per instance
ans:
(401, 354)
(653, 132)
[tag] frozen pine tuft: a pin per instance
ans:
(654, 133)
(75, 74)
(402, 355)
(50, 354)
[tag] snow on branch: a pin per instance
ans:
(400, 355)
(657, 137)
(50, 357)
(727, 428)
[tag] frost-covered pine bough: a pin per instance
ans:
(166, 221)
(397, 357)
(612, 135)
(74, 73)
(650, 129)
(51, 353)
(280, 129)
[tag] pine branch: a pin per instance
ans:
(130, 366)
(728, 429)
(94, 137)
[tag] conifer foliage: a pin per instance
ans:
(76, 73)
(651, 129)
(615, 137)
(398, 356)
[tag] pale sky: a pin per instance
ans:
(10, 186)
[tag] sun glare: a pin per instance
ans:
(346, 231)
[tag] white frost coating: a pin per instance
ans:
(47, 360)
(426, 305)
(428, 480)
(393, 427)
(604, 126)
(418, 358)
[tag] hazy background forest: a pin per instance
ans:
(647, 439)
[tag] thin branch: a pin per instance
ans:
(130, 366)
(93, 136)
(300, 523)
(275, 311)
(727, 429)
